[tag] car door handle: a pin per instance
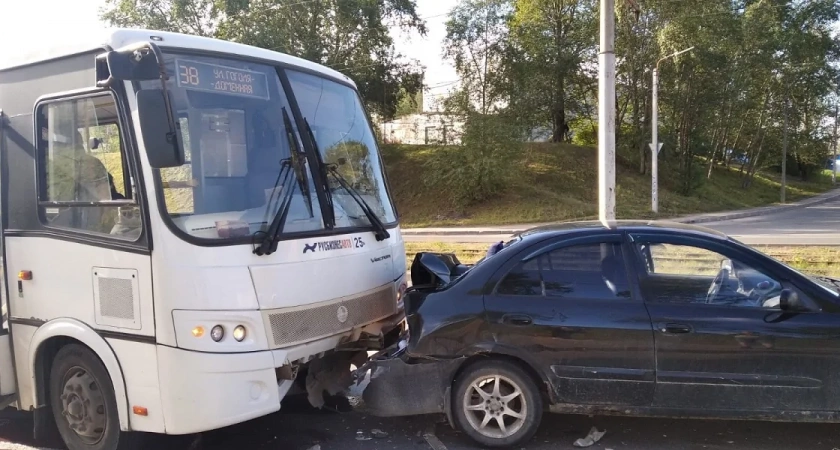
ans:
(517, 319)
(675, 328)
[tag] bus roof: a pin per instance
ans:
(121, 37)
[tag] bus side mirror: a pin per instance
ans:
(142, 61)
(127, 66)
(161, 139)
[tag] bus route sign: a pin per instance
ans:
(219, 79)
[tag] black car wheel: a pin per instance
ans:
(84, 404)
(497, 404)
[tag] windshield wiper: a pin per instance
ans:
(294, 164)
(298, 161)
(269, 243)
(380, 231)
(379, 228)
(831, 281)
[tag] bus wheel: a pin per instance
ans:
(83, 402)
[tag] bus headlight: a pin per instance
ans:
(217, 333)
(239, 333)
(220, 331)
(401, 294)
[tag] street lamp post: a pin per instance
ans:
(655, 145)
(834, 162)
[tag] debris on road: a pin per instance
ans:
(361, 436)
(315, 447)
(433, 441)
(378, 434)
(591, 438)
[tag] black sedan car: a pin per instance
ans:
(632, 318)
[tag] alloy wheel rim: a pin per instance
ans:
(495, 406)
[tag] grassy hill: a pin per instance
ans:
(556, 182)
(559, 182)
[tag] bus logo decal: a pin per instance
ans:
(338, 244)
(342, 314)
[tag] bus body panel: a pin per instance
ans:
(140, 369)
(121, 298)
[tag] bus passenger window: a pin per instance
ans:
(84, 180)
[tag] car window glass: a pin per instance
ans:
(671, 259)
(579, 271)
(524, 279)
(689, 274)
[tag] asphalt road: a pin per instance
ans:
(812, 225)
(300, 428)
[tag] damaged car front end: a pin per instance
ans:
(446, 335)
(412, 376)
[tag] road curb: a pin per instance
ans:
(698, 219)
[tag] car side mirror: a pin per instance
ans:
(163, 146)
(789, 301)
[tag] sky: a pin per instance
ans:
(55, 18)
(81, 18)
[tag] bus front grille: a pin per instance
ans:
(292, 326)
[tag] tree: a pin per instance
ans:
(351, 36)
(477, 43)
(553, 39)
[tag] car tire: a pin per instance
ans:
(83, 403)
(517, 404)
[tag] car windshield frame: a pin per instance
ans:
(321, 198)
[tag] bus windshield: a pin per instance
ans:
(245, 156)
(344, 140)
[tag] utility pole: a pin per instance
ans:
(834, 162)
(784, 150)
(606, 114)
(655, 145)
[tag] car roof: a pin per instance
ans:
(595, 227)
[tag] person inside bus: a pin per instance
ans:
(76, 175)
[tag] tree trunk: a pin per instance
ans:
(637, 127)
(737, 139)
(748, 181)
(558, 115)
(721, 144)
(752, 159)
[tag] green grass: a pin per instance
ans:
(558, 182)
(808, 259)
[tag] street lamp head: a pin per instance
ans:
(673, 55)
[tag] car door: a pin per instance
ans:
(733, 349)
(569, 308)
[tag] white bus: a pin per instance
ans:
(188, 226)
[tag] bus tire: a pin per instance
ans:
(83, 402)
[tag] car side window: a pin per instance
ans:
(671, 259)
(690, 274)
(583, 271)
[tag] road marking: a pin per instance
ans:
(433, 440)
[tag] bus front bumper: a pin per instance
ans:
(203, 391)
